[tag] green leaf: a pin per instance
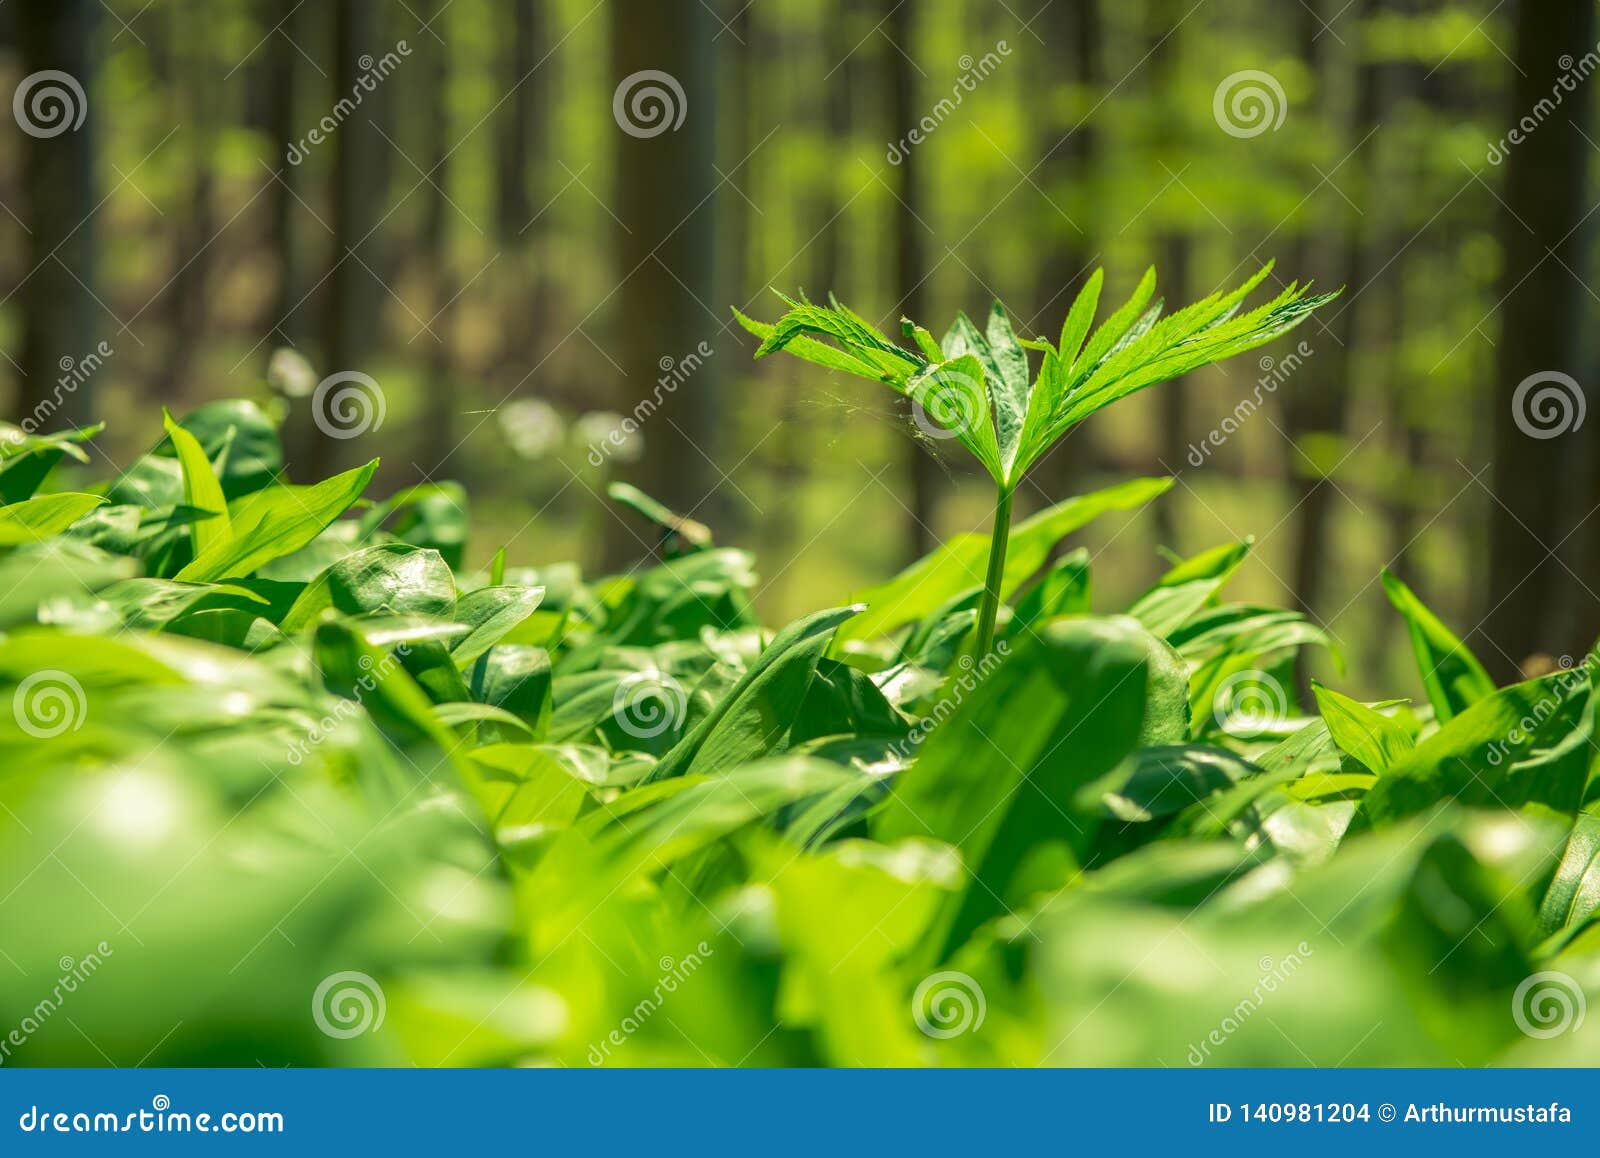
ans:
(393, 579)
(755, 716)
(1526, 744)
(1187, 588)
(997, 777)
(1361, 733)
(1574, 893)
(275, 522)
(1452, 675)
(33, 520)
(201, 489)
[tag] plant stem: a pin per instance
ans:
(998, 538)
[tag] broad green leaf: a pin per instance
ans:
(275, 522)
(1187, 588)
(1361, 733)
(998, 777)
(1452, 675)
(201, 489)
(1530, 743)
(394, 579)
(33, 520)
(1574, 893)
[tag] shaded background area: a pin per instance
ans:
(483, 207)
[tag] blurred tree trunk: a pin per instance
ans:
(189, 295)
(1067, 153)
(1543, 243)
(911, 261)
(520, 118)
(1174, 248)
(437, 437)
(666, 250)
(281, 81)
(1318, 400)
(62, 323)
(360, 169)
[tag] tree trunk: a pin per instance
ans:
(437, 438)
(1175, 247)
(911, 262)
(360, 166)
(666, 251)
(62, 322)
(1542, 240)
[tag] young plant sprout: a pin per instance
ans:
(978, 385)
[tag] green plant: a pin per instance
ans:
(275, 754)
(978, 386)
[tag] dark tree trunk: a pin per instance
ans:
(1074, 51)
(666, 249)
(1542, 240)
(281, 84)
(911, 261)
(62, 322)
(360, 167)
(1175, 251)
(189, 295)
(519, 117)
(437, 443)
(1318, 400)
